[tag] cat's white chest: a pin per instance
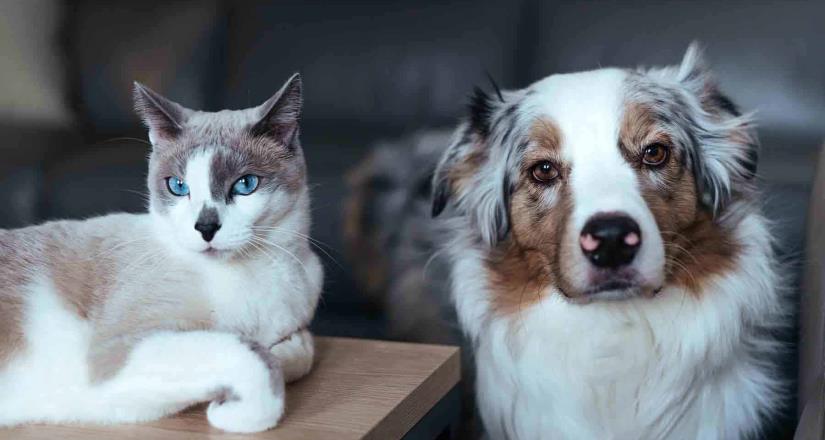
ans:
(262, 302)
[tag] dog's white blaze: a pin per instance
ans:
(587, 107)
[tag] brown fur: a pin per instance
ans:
(547, 135)
(696, 247)
(361, 237)
(517, 277)
(523, 266)
(699, 252)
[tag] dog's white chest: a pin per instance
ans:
(605, 366)
(612, 353)
(603, 376)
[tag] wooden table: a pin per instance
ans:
(358, 389)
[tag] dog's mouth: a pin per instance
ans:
(609, 292)
(609, 286)
(614, 287)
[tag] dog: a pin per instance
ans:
(608, 260)
(391, 238)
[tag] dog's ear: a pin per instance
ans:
(468, 176)
(466, 145)
(163, 117)
(726, 151)
(445, 174)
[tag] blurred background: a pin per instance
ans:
(372, 71)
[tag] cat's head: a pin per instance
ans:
(221, 182)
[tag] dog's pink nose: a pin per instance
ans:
(589, 243)
(610, 240)
(632, 239)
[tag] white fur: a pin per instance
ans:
(166, 372)
(676, 366)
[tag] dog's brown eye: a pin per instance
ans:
(655, 155)
(545, 172)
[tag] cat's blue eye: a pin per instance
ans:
(177, 186)
(246, 185)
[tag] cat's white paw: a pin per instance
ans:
(255, 398)
(246, 415)
(295, 355)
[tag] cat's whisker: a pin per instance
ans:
(116, 246)
(290, 231)
(143, 195)
(310, 241)
(262, 250)
(282, 249)
(273, 259)
(126, 138)
(313, 242)
(151, 254)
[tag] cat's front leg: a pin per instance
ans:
(168, 371)
(295, 354)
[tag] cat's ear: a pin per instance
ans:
(280, 113)
(163, 117)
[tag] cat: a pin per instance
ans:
(207, 297)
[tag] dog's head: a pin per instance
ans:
(604, 184)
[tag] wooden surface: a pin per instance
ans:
(358, 389)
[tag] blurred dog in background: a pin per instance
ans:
(392, 244)
(391, 238)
